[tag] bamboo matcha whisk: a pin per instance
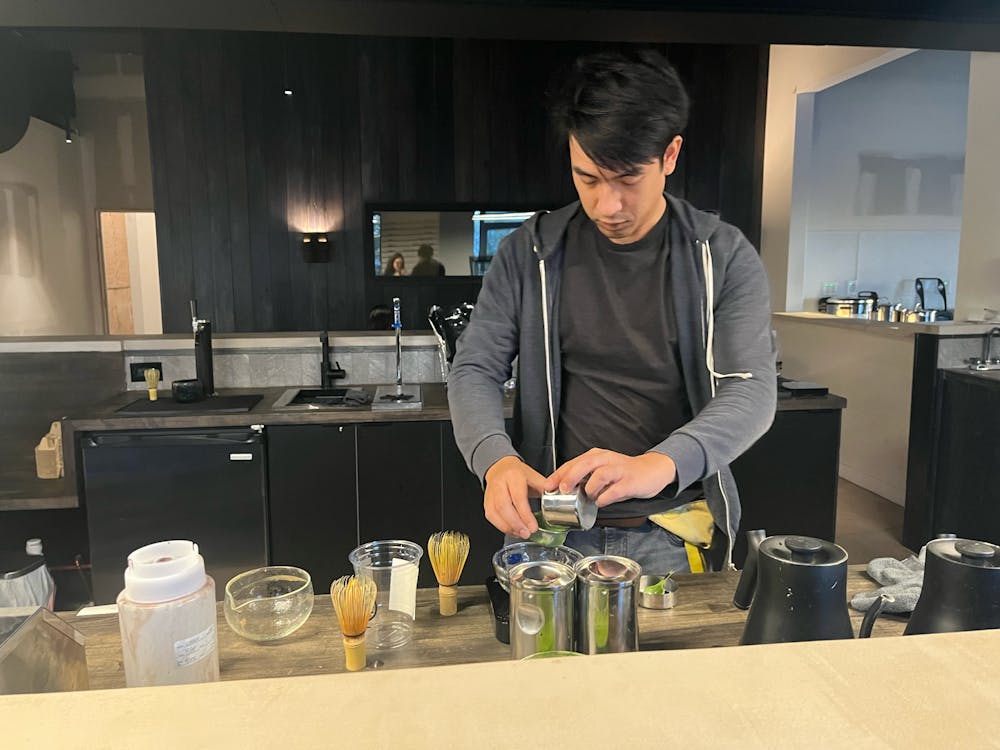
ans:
(449, 551)
(353, 598)
(152, 376)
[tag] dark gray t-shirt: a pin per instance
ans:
(622, 387)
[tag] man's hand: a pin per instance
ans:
(614, 476)
(509, 482)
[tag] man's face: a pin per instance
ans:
(623, 205)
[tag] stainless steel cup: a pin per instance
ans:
(572, 510)
(606, 596)
(541, 607)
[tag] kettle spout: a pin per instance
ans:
(872, 614)
(748, 578)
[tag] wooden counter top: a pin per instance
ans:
(703, 618)
(912, 692)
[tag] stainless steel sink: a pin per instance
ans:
(307, 399)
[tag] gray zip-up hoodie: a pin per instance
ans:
(723, 336)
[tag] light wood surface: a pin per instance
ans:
(703, 618)
(931, 691)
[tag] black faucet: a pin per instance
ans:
(202, 330)
(328, 374)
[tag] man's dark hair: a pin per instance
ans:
(425, 252)
(622, 108)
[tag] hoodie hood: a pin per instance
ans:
(548, 227)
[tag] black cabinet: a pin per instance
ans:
(788, 479)
(399, 484)
(313, 499)
(463, 510)
(968, 460)
(206, 485)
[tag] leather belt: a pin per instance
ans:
(622, 523)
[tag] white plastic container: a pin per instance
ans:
(167, 616)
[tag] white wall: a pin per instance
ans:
(49, 282)
(144, 273)
(979, 265)
(887, 223)
(119, 131)
(794, 69)
(874, 371)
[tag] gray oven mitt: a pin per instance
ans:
(900, 579)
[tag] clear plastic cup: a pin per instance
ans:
(393, 564)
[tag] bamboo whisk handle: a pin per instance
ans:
(448, 600)
(354, 652)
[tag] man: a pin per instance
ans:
(427, 266)
(642, 331)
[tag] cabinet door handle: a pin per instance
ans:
(241, 456)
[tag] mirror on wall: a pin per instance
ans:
(439, 242)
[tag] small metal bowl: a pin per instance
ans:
(666, 600)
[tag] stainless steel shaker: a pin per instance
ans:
(541, 607)
(607, 588)
(570, 510)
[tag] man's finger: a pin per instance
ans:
(579, 467)
(506, 506)
(537, 484)
(491, 504)
(599, 481)
(612, 493)
(524, 510)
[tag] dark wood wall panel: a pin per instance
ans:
(240, 170)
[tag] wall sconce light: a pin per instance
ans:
(316, 247)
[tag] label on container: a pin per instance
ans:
(188, 651)
(403, 587)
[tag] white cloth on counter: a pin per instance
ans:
(900, 579)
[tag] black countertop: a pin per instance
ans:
(27, 492)
(105, 416)
(976, 376)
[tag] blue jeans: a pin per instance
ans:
(653, 547)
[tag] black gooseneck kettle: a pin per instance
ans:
(961, 589)
(796, 589)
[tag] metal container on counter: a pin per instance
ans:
(607, 588)
(541, 607)
(570, 510)
(39, 653)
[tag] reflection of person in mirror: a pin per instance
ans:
(396, 266)
(642, 332)
(427, 266)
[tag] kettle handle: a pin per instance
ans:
(872, 614)
(748, 578)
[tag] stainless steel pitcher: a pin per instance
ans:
(607, 590)
(541, 607)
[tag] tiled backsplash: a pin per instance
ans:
(952, 352)
(245, 368)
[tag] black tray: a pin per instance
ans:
(165, 407)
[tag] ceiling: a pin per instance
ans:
(959, 24)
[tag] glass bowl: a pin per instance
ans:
(520, 552)
(268, 603)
